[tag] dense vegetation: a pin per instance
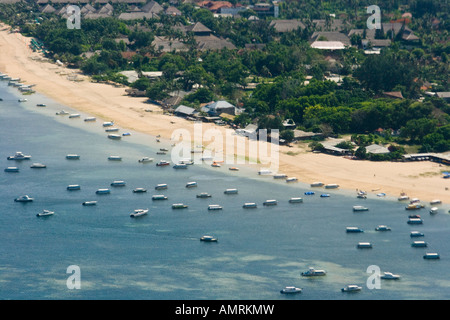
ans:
(355, 106)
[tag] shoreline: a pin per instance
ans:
(417, 179)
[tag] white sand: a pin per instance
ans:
(417, 179)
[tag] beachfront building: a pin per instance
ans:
(377, 149)
(185, 112)
(219, 107)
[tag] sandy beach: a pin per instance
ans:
(417, 179)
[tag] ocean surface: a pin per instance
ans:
(159, 256)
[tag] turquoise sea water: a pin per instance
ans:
(159, 256)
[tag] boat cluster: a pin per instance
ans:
(16, 82)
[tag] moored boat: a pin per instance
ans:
(191, 184)
(292, 179)
(207, 238)
(434, 210)
(317, 184)
(290, 290)
(139, 190)
(414, 206)
(19, 156)
(382, 228)
(351, 288)
(311, 272)
(115, 158)
(416, 234)
(90, 119)
(331, 186)
(38, 166)
(280, 176)
(360, 208)
(249, 205)
(74, 115)
(72, 187)
(103, 191)
(145, 160)
(204, 195)
(89, 203)
(12, 169)
(138, 213)
(45, 213)
(180, 166)
(24, 198)
(419, 244)
(231, 191)
(296, 200)
(353, 230)
(118, 183)
(162, 163)
(431, 255)
(72, 157)
(214, 207)
(390, 276)
(161, 186)
(414, 221)
(159, 197)
(114, 136)
(179, 206)
(364, 245)
(270, 203)
(309, 193)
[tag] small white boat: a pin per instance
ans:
(351, 288)
(331, 186)
(23, 100)
(382, 228)
(270, 203)
(62, 113)
(249, 205)
(191, 184)
(432, 255)
(38, 166)
(360, 208)
(139, 213)
(111, 129)
(280, 176)
(325, 195)
(233, 169)
(436, 201)
(115, 158)
(414, 200)
(90, 119)
(295, 200)
(73, 187)
(45, 213)
(313, 273)
(162, 163)
(208, 239)
(103, 191)
(291, 290)
(416, 234)
(381, 195)
(419, 244)
(231, 191)
(216, 165)
(108, 124)
(214, 207)
(390, 276)
(118, 183)
(179, 206)
(317, 184)
(41, 105)
(19, 156)
(403, 198)
(12, 169)
(72, 157)
(24, 198)
(145, 160)
(204, 195)
(126, 134)
(361, 196)
(264, 172)
(161, 186)
(159, 197)
(139, 190)
(180, 166)
(114, 136)
(434, 210)
(89, 203)
(364, 245)
(74, 115)
(292, 179)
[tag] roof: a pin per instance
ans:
(152, 7)
(212, 42)
(136, 15)
(165, 45)
(221, 104)
(198, 27)
(394, 94)
(331, 25)
(328, 45)
(377, 149)
(185, 110)
(332, 36)
(287, 25)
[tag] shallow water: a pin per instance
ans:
(159, 256)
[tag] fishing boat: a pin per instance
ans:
(360, 208)
(390, 276)
(249, 205)
(311, 272)
(325, 195)
(233, 169)
(434, 210)
(139, 190)
(419, 244)
(179, 206)
(159, 197)
(214, 207)
(73, 187)
(162, 163)
(18, 156)
(208, 239)
(118, 183)
(23, 100)
(364, 245)
(432, 255)
(436, 201)
(115, 158)
(416, 234)
(74, 115)
(270, 203)
(108, 124)
(112, 130)
(41, 105)
(138, 213)
(382, 228)
(317, 184)
(12, 169)
(89, 203)
(90, 119)
(72, 157)
(292, 179)
(353, 230)
(264, 172)
(114, 136)
(414, 206)
(295, 200)
(204, 195)
(103, 191)
(62, 113)
(45, 213)
(280, 176)
(180, 166)
(38, 166)
(310, 193)
(161, 186)
(191, 184)
(415, 221)
(215, 164)
(331, 186)
(231, 191)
